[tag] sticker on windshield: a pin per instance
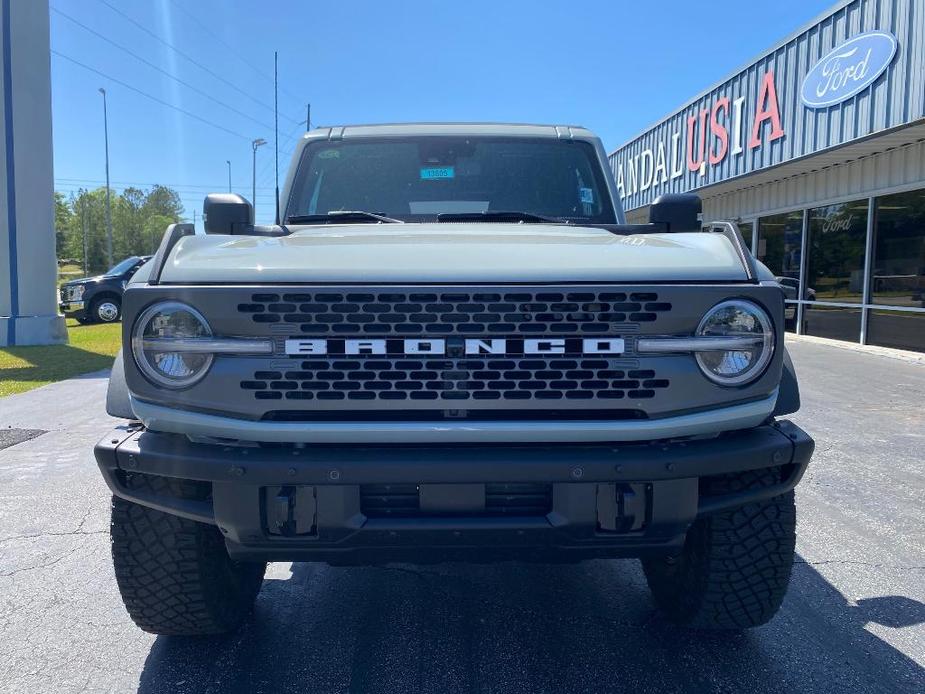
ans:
(586, 195)
(430, 173)
(329, 154)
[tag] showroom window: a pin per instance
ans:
(898, 329)
(897, 275)
(898, 269)
(835, 250)
(779, 240)
(747, 229)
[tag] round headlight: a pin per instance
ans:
(151, 337)
(745, 363)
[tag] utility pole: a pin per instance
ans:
(308, 116)
(108, 204)
(259, 142)
(83, 219)
(227, 161)
(194, 216)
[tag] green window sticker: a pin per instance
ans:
(433, 173)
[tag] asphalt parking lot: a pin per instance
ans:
(853, 621)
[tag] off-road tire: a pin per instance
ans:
(735, 566)
(175, 575)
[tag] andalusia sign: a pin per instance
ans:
(848, 69)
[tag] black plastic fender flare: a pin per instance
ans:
(788, 398)
(117, 400)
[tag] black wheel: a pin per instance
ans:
(106, 309)
(175, 575)
(734, 568)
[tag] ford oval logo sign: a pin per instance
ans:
(848, 69)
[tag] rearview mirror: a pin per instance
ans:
(227, 213)
(679, 211)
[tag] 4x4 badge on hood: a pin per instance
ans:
(442, 346)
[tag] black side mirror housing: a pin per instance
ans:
(227, 213)
(678, 211)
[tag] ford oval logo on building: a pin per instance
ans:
(848, 69)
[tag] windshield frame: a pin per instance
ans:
(111, 271)
(599, 171)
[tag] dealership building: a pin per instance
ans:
(817, 149)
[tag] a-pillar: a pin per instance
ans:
(28, 268)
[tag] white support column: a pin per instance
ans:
(28, 268)
(868, 266)
(804, 268)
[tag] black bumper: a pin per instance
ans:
(362, 504)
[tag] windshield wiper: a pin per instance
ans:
(341, 217)
(498, 216)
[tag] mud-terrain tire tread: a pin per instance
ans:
(735, 566)
(175, 575)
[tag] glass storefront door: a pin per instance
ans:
(835, 270)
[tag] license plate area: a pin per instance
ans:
(492, 500)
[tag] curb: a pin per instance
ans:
(900, 354)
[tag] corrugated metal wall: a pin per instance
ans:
(897, 97)
(903, 167)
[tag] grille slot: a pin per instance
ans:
(501, 500)
(327, 313)
(471, 380)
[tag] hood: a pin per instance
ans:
(452, 253)
(85, 280)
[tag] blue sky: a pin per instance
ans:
(613, 66)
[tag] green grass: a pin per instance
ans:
(90, 348)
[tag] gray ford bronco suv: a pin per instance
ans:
(452, 348)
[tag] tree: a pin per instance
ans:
(63, 223)
(139, 219)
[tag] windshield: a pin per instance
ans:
(123, 267)
(417, 178)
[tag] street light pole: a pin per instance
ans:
(108, 203)
(227, 161)
(259, 142)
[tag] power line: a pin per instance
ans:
(150, 183)
(182, 54)
(236, 52)
(153, 66)
(149, 96)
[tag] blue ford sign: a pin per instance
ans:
(848, 69)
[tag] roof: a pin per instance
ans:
(490, 129)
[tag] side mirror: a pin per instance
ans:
(679, 211)
(226, 213)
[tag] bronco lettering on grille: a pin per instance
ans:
(442, 346)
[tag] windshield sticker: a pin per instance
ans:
(329, 154)
(586, 195)
(431, 173)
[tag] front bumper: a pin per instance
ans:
(605, 500)
(76, 309)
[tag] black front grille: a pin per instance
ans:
(457, 380)
(436, 314)
(501, 500)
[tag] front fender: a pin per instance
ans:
(118, 403)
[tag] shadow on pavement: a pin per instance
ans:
(529, 628)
